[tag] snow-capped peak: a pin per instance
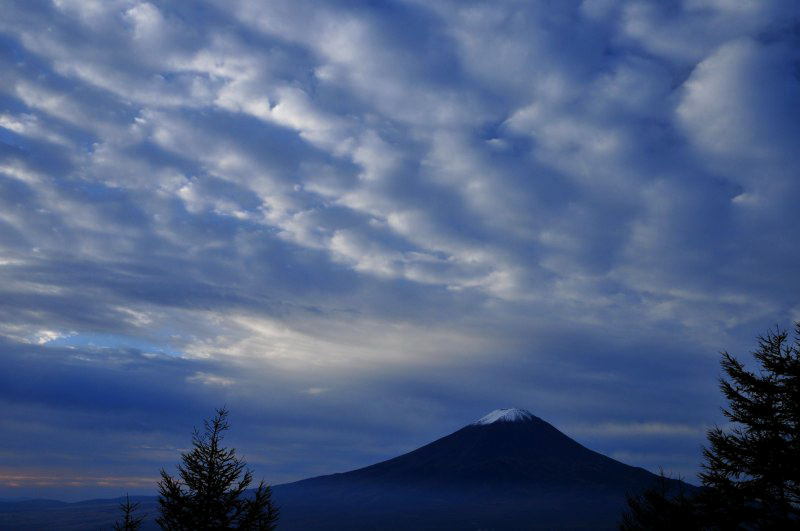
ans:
(504, 415)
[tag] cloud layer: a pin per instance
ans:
(361, 225)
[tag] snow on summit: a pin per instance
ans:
(504, 415)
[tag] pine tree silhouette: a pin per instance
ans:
(211, 490)
(130, 522)
(752, 471)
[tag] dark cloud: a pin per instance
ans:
(363, 225)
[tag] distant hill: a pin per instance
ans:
(54, 515)
(509, 470)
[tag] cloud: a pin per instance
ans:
(640, 429)
(334, 211)
(738, 108)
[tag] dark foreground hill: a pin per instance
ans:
(509, 470)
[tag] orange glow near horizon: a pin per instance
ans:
(20, 479)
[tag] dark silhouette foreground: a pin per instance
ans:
(211, 492)
(130, 520)
(751, 472)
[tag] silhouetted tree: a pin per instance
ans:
(130, 522)
(752, 471)
(663, 507)
(211, 491)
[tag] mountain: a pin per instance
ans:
(507, 470)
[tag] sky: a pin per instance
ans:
(364, 224)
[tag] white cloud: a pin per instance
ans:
(205, 378)
(637, 429)
(736, 104)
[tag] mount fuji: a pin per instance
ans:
(507, 470)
